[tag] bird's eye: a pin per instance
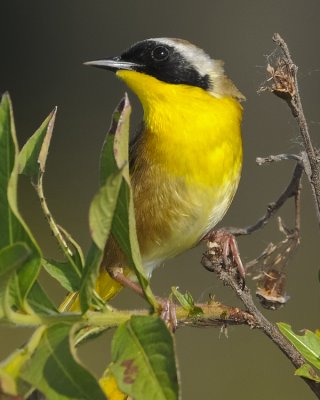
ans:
(160, 53)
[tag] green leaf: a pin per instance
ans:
(89, 277)
(100, 220)
(27, 277)
(124, 231)
(124, 224)
(8, 152)
(77, 256)
(10, 368)
(13, 228)
(308, 344)
(12, 258)
(143, 359)
(307, 372)
(8, 386)
(114, 205)
(64, 273)
(121, 136)
(102, 210)
(55, 370)
(32, 157)
(107, 161)
(32, 161)
(40, 302)
(187, 302)
(101, 214)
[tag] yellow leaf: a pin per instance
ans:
(110, 387)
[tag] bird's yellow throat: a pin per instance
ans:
(189, 131)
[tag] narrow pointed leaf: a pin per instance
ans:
(109, 386)
(121, 137)
(55, 370)
(10, 368)
(12, 258)
(307, 372)
(101, 213)
(89, 277)
(32, 157)
(40, 302)
(308, 344)
(114, 205)
(124, 230)
(143, 359)
(187, 302)
(107, 161)
(78, 256)
(32, 161)
(12, 227)
(64, 274)
(102, 210)
(8, 152)
(124, 224)
(100, 220)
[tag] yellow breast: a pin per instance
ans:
(187, 164)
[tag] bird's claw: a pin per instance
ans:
(229, 249)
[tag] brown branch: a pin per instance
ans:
(285, 85)
(229, 276)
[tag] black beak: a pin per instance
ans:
(113, 64)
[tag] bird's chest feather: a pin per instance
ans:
(185, 173)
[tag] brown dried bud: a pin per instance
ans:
(271, 290)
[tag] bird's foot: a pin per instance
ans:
(224, 245)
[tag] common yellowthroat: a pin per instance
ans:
(185, 163)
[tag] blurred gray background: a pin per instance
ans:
(43, 46)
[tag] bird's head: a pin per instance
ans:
(174, 61)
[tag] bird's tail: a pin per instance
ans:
(106, 287)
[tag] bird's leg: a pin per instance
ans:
(228, 244)
(125, 281)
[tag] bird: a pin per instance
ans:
(186, 160)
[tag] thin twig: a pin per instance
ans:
(297, 208)
(278, 157)
(273, 207)
(284, 249)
